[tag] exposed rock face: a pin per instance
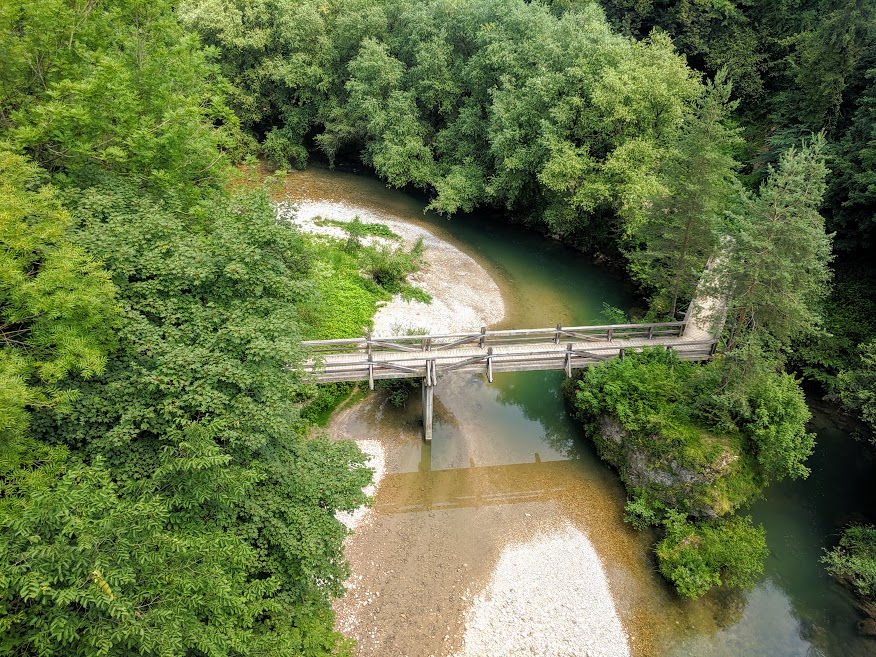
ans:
(648, 467)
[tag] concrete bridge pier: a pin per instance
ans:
(430, 380)
(428, 403)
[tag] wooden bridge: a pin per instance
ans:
(561, 348)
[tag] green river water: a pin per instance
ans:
(506, 461)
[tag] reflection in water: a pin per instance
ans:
(507, 464)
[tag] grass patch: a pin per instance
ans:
(362, 229)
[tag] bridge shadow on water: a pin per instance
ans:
(508, 442)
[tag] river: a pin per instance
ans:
(507, 467)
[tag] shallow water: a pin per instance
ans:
(507, 464)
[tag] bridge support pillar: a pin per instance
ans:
(428, 403)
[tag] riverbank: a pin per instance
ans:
(464, 296)
(420, 569)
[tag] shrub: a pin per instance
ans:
(696, 557)
(854, 559)
(777, 429)
(390, 267)
(398, 390)
(328, 397)
(643, 512)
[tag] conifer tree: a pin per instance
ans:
(777, 273)
(682, 226)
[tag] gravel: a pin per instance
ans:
(464, 296)
(547, 597)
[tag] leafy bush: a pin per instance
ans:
(696, 557)
(854, 559)
(642, 512)
(389, 267)
(328, 397)
(858, 385)
(640, 391)
(777, 428)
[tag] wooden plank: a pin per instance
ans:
(468, 361)
(455, 343)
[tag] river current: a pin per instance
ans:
(507, 466)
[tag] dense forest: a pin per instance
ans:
(161, 491)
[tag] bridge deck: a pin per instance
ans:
(371, 358)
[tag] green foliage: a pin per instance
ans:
(56, 301)
(777, 427)
(398, 390)
(121, 88)
(776, 274)
(345, 301)
(848, 314)
(854, 559)
(389, 267)
(485, 101)
(696, 442)
(827, 55)
(57, 308)
(681, 227)
(357, 228)
(851, 196)
(350, 282)
(858, 385)
(126, 580)
(328, 397)
(729, 552)
(199, 402)
(642, 512)
(638, 391)
(613, 315)
(665, 453)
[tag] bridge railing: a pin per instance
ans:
(371, 344)
(371, 367)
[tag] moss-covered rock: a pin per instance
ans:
(691, 450)
(708, 479)
(635, 412)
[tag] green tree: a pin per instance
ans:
(858, 385)
(56, 302)
(682, 226)
(729, 552)
(88, 569)
(776, 427)
(851, 196)
(854, 559)
(121, 88)
(201, 404)
(826, 57)
(480, 102)
(776, 273)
